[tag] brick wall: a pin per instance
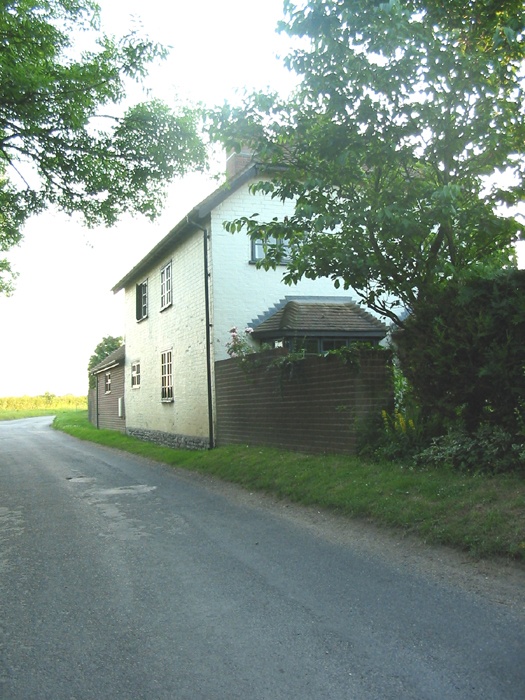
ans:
(318, 409)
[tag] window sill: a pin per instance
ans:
(163, 308)
(283, 263)
(166, 400)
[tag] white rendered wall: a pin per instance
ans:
(180, 328)
(241, 292)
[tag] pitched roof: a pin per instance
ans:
(326, 317)
(193, 221)
(114, 358)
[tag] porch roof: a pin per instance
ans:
(328, 318)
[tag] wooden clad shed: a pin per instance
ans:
(106, 398)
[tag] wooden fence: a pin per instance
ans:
(318, 404)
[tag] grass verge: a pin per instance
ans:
(480, 514)
(15, 414)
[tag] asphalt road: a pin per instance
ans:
(121, 579)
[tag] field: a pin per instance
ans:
(13, 407)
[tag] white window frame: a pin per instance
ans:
(165, 286)
(135, 375)
(258, 253)
(107, 383)
(141, 302)
(166, 374)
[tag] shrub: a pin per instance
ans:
(391, 436)
(240, 345)
(489, 449)
(463, 353)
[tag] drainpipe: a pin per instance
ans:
(211, 438)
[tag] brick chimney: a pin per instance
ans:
(237, 162)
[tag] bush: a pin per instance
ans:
(489, 449)
(391, 436)
(463, 353)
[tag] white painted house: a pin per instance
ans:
(184, 296)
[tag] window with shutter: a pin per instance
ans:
(142, 300)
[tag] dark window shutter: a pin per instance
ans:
(138, 302)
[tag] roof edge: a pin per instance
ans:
(115, 358)
(197, 215)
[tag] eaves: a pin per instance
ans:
(191, 222)
(105, 368)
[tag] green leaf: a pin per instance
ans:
(64, 139)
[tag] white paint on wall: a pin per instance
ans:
(241, 291)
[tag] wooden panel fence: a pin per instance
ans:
(319, 404)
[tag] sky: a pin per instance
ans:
(62, 306)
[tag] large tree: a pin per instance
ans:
(66, 138)
(402, 145)
(107, 345)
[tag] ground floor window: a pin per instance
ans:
(332, 344)
(312, 346)
(166, 376)
(135, 375)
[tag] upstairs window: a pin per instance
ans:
(142, 300)
(107, 383)
(165, 286)
(258, 248)
(166, 376)
(135, 375)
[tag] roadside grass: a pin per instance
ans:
(481, 514)
(16, 414)
(28, 413)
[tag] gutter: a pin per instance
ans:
(201, 211)
(105, 368)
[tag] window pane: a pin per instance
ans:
(135, 374)
(166, 376)
(165, 286)
(258, 252)
(333, 344)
